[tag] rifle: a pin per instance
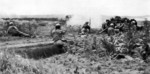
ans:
(103, 31)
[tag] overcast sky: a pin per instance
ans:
(90, 8)
(86, 7)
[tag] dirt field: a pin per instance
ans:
(84, 55)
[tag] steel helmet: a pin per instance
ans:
(57, 24)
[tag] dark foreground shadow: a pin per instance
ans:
(41, 51)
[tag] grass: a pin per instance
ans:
(66, 63)
(86, 55)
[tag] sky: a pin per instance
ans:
(90, 8)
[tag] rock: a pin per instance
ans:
(129, 58)
(59, 42)
(124, 60)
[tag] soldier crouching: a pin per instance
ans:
(86, 28)
(57, 33)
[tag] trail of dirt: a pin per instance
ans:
(22, 42)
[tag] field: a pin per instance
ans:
(92, 54)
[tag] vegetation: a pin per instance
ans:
(86, 54)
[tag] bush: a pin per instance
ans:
(109, 46)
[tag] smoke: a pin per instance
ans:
(78, 20)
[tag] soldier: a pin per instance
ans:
(133, 24)
(125, 24)
(110, 30)
(108, 22)
(13, 30)
(57, 32)
(86, 28)
(118, 24)
(105, 26)
(140, 28)
(112, 20)
(117, 19)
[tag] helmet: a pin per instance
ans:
(86, 23)
(133, 21)
(107, 20)
(112, 19)
(112, 25)
(57, 24)
(125, 19)
(117, 17)
(11, 23)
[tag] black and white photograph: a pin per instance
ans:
(74, 37)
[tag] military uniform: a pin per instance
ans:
(57, 33)
(13, 30)
(133, 24)
(86, 28)
(111, 29)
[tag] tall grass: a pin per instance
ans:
(11, 63)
